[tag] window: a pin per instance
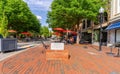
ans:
(115, 6)
(105, 17)
(88, 23)
(84, 24)
(118, 36)
(119, 6)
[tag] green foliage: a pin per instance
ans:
(3, 20)
(3, 26)
(18, 16)
(45, 31)
(66, 13)
(58, 17)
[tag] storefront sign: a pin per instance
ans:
(57, 46)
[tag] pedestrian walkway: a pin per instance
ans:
(20, 48)
(84, 59)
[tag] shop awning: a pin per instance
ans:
(113, 26)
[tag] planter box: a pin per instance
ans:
(57, 55)
(8, 44)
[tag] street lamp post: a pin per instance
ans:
(101, 11)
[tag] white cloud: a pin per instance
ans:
(40, 8)
(39, 17)
(50, 29)
(46, 24)
(45, 4)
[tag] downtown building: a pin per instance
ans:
(113, 30)
(110, 26)
(90, 31)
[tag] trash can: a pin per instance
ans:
(8, 44)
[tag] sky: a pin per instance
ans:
(40, 8)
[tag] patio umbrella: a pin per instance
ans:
(67, 31)
(26, 33)
(12, 31)
(72, 32)
(58, 29)
(57, 33)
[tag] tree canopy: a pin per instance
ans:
(66, 13)
(45, 31)
(16, 15)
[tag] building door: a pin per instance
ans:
(118, 36)
(104, 38)
(112, 36)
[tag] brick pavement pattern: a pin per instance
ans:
(84, 59)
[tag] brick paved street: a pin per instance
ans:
(84, 59)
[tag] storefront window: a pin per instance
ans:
(88, 23)
(84, 24)
(119, 6)
(96, 36)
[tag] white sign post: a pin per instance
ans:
(57, 46)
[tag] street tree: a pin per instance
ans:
(3, 19)
(44, 31)
(17, 15)
(67, 13)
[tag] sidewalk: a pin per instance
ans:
(84, 59)
(19, 49)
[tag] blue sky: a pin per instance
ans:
(40, 8)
